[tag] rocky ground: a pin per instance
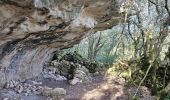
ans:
(99, 88)
(70, 77)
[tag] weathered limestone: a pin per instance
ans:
(31, 30)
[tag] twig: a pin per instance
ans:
(142, 80)
(164, 77)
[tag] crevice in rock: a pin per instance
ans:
(22, 19)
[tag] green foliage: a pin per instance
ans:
(142, 42)
(92, 66)
(136, 98)
(76, 58)
(164, 96)
(167, 97)
(162, 77)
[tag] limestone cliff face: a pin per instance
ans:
(31, 30)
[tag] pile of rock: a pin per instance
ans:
(26, 88)
(81, 74)
(18, 90)
(74, 67)
(71, 67)
(65, 60)
(73, 72)
(52, 73)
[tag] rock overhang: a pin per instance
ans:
(30, 31)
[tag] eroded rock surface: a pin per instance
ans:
(31, 30)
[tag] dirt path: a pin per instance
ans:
(100, 88)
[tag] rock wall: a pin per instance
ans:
(31, 30)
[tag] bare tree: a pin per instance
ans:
(94, 45)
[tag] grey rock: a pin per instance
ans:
(19, 88)
(55, 94)
(74, 81)
(11, 84)
(24, 54)
(50, 74)
(55, 63)
(10, 94)
(5, 99)
(35, 83)
(60, 78)
(2, 79)
(81, 74)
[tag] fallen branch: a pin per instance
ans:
(142, 80)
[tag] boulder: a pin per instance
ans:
(19, 88)
(55, 94)
(81, 74)
(74, 81)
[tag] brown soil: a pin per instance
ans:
(100, 88)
